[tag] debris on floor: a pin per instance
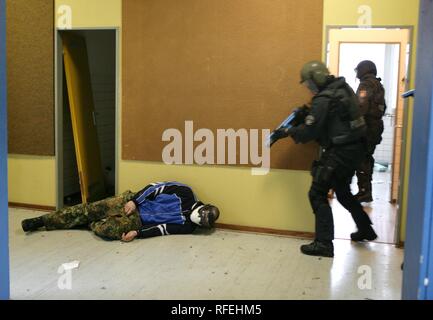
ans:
(71, 265)
(381, 167)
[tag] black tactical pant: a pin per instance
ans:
(364, 171)
(335, 170)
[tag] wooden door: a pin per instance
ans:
(82, 109)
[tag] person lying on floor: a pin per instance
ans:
(159, 209)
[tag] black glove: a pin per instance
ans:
(280, 134)
(300, 115)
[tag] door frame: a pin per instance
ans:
(404, 112)
(418, 254)
(58, 107)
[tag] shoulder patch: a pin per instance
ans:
(309, 120)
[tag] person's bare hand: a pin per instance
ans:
(129, 207)
(127, 237)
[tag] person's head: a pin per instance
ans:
(314, 75)
(205, 215)
(365, 67)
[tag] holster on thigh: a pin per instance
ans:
(322, 172)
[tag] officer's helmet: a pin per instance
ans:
(314, 74)
(365, 67)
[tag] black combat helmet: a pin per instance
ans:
(365, 67)
(314, 75)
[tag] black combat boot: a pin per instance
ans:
(318, 248)
(367, 234)
(32, 224)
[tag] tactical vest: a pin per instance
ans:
(345, 122)
(377, 105)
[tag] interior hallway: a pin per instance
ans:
(221, 265)
(381, 211)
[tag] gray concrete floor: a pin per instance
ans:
(219, 265)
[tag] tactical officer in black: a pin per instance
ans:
(371, 95)
(335, 121)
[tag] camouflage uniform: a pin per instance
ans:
(106, 218)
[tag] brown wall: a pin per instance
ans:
(30, 76)
(221, 63)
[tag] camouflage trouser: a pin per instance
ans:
(105, 217)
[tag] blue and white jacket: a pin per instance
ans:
(165, 203)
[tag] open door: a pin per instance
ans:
(83, 117)
(400, 37)
(389, 48)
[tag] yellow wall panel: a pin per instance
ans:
(277, 201)
(31, 180)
